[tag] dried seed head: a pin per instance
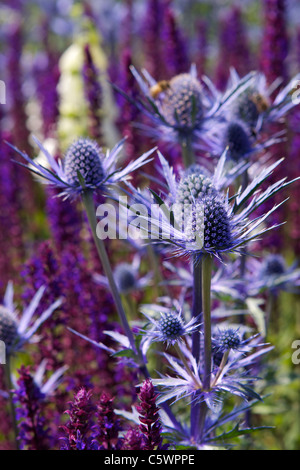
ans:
(84, 156)
(182, 103)
(8, 327)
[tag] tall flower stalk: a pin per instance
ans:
(196, 337)
(202, 299)
(88, 201)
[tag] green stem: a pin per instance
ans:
(158, 279)
(186, 365)
(88, 201)
(188, 154)
(197, 304)
(270, 310)
(7, 368)
(202, 409)
(243, 259)
(221, 367)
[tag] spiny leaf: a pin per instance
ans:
(237, 432)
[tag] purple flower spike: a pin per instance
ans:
(175, 48)
(77, 430)
(133, 440)
(93, 94)
(33, 434)
(107, 429)
(275, 41)
(149, 416)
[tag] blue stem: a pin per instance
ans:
(196, 311)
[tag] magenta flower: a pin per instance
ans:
(149, 417)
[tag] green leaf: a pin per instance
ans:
(237, 432)
(257, 313)
(124, 353)
(251, 393)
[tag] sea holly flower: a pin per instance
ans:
(181, 103)
(84, 157)
(196, 181)
(170, 328)
(179, 108)
(127, 277)
(176, 107)
(16, 330)
(272, 273)
(227, 339)
(236, 137)
(85, 167)
(242, 124)
(185, 378)
(256, 106)
(237, 140)
(213, 224)
(194, 184)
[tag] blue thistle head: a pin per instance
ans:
(237, 140)
(194, 185)
(207, 225)
(225, 340)
(217, 229)
(8, 327)
(273, 265)
(125, 277)
(84, 156)
(195, 168)
(171, 326)
(182, 105)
